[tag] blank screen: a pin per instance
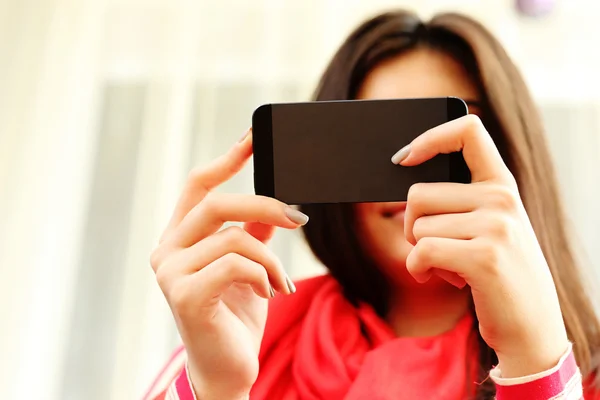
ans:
(329, 152)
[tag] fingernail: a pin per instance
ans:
(290, 284)
(245, 135)
(271, 291)
(401, 154)
(296, 216)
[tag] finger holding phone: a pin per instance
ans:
(217, 282)
(481, 234)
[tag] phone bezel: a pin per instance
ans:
(459, 171)
(262, 146)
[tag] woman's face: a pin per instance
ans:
(419, 73)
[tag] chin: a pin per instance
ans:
(382, 234)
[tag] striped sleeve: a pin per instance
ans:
(562, 382)
(173, 382)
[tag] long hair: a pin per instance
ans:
(512, 119)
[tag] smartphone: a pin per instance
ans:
(340, 151)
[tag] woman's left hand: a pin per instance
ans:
(479, 233)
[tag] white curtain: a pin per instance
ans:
(104, 107)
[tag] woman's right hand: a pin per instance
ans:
(217, 282)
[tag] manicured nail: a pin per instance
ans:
(271, 291)
(401, 154)
(245, 135)
(296, 216)
(290, 284)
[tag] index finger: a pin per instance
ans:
(467, 134)
(203, 180)
(218, 208)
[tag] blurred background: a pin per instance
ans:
(105, 105)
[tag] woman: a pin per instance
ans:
(424, 298)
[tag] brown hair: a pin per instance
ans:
(511, 118)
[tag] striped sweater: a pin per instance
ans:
(563, 382)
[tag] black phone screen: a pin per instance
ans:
(340, 151)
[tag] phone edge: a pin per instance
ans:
(459, 171)
(262, 146)
(456, 108)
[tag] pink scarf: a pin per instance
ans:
(318, 346)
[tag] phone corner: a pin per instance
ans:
(456, 107)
